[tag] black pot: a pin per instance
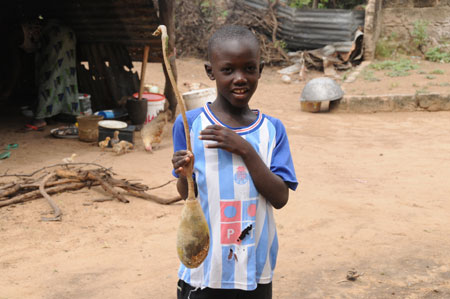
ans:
(137, 110)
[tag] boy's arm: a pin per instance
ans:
(268, 184)
(181, 158)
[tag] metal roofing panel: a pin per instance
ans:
(129, 22)
(313, 28)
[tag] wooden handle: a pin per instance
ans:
(143, 68)
(162, 30)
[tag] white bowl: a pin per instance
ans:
(112, 124)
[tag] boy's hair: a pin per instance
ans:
(231, 32)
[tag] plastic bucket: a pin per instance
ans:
(88, 127)
(137, 111)
(155, 104)
(198, 98)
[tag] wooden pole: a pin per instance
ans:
(143, 69)
(167, 17)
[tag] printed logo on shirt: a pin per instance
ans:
(241, 175)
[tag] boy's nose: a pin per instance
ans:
(240, 79)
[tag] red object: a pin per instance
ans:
(150, 96)
(34, 128)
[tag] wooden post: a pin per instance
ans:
(315, 4)
(167, 17)
(143, 69)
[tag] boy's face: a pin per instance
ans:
(235, 65)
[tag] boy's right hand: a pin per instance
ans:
(182, 162)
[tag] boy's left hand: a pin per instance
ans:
(225, 138)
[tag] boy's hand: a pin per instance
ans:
(226, 139)
(182, 161)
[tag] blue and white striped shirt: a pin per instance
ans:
(243, 238)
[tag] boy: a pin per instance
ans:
(243, 168)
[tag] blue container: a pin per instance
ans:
(112, 113)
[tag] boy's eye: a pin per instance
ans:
(251, 68)
(226, 70)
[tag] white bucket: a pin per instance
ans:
(153, 108)
(155, 104)
(198, 98)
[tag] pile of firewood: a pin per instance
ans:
(68, 177)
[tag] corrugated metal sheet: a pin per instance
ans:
(313, 28)
(128, 22)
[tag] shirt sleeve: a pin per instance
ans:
(282, 164)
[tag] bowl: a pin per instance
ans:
(320, 90)
(112, 124)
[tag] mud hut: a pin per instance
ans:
(111, 34)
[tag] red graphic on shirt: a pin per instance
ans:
(230, 232)
(251, 210)
(230, 211)
(230, 218)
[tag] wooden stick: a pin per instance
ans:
(135, 186)
(36, 193)
(69, 174)
(143, 69)
(6, 186)
(125, 184)
(56, 210)
(107, 187)
(102, 199)
(51, 184)
(20, 188)
(11, 190)
(160, 186)
(146, 196)
(162, 30)
(55, 165)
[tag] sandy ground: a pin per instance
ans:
(373, 198)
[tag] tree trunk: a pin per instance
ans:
(315, 4)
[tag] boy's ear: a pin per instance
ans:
(208, 70)
(261, 66)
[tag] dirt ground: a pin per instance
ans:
(373, 198)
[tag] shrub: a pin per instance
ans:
(420, 34)
(438, 54)
(397, 68)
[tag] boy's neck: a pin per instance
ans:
(233, 116)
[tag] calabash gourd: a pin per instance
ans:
(193, 231)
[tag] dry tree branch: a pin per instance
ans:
(51, 184)
(162, 185)
(36, 193)
(65, 179)
(107, 187)
(6, 186)
(11, 190)
(272, 6)
(55, 165)
(146, 196)
(56, 210)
